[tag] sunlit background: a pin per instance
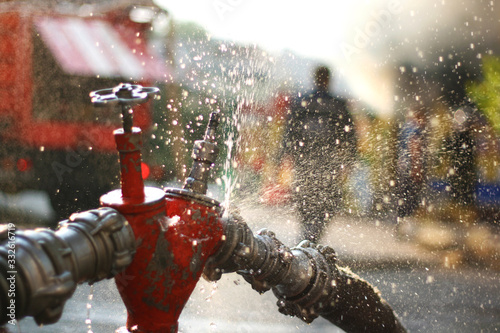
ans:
(362, 40)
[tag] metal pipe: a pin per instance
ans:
(88, 247)
(306, 279)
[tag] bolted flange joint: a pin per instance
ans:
(321, 292)
(265, 262)
(306, 279)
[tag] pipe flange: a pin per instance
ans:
(111, 236)
(322, 288)
(236, 234)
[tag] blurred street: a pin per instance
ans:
(427, 295)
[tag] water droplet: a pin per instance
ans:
(88, 321)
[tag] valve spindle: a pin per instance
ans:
(129, 138)
(204, 155)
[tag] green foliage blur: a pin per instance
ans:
(486, 94)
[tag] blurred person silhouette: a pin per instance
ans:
(320, 139)
(412, 144)
(461, 147)
(411, 162)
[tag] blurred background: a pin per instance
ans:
(430, 64)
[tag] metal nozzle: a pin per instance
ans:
(204, 155)
(213, 123)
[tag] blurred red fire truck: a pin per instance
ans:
(52, 138)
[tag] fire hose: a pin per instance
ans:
(88, 247)
(306, 279)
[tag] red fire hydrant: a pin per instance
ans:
(176, 230)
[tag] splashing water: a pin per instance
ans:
(88, 321)
(213, 290)
(229, 179)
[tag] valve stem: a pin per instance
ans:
(204, 155)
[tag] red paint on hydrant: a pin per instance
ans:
(129, 146)
(175, 234)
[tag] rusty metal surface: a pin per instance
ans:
(175, 236)
(129, 147)
(306, 279)
(175, 231)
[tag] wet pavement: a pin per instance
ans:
(358, 241)
(426, 301)
(427, 295)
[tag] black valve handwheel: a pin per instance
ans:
(123, 94)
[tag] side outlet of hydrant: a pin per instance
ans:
(176, 230)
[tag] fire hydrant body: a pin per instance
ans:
(176, 231)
